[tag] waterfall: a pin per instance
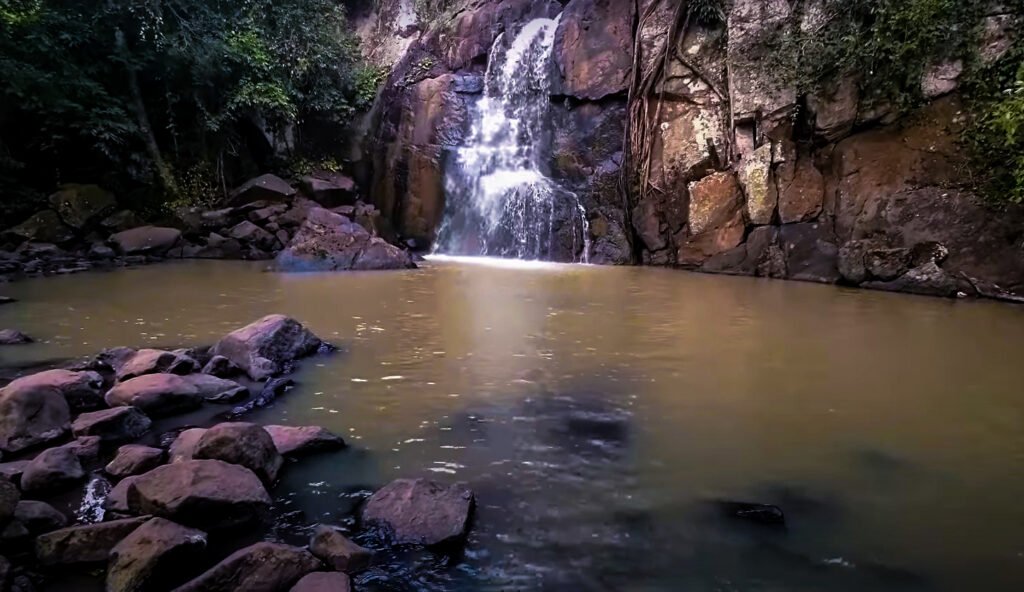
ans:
(499, 200)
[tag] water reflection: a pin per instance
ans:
(598, 413)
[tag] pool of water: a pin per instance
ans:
(599, 414)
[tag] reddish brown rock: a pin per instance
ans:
(54, 469)
(297, 440)
(802, 189)
(134, 459)
(324, 582)
(156, 554)
(263, 188)
(153, 240)
(82, 390)
(184, 446)
(245, 444)
(201, 493)
(156, 395)
(31, 416)
(119, 424)
(268, 346)
(332, 547)
(715, 218)
(88, 543)
(594, 48)
(263, 567)
(155, 361)
(39, 517)
(420, 512)
(330, 242)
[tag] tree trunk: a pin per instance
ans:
(163, 171)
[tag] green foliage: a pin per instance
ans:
(995, 137)
(101, 90)
(709, 13)
(888, 43)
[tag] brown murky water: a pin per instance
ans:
(598, 412)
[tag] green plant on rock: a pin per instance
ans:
(995, 137)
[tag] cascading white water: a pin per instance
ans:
(499, 200)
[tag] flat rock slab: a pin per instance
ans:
(420, 512)
(156, 395)
(263, 567)
(88, 543)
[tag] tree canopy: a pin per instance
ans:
(169, 98)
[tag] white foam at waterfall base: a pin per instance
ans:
(499, 202)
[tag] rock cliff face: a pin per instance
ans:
(752, 177)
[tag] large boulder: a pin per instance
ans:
(715, 218)
(245, 444)
(134, 459)
(332, 547)
(248, 233)
(156, 394)
(151, 240)
(155, 361)
(420, 512)
(268, 346)
(31, 416)
(84, 544)
(54, 469)
(43, 227)
(323, 581)
(217, 390)
(154, 555)
(82, 205)
(262, 188)
(201, 493)
(122, 220)
(39, 517)
(81, 390)
(120, 424)
(297, 440)
(330, 189)
(331, 242)
(263, 567)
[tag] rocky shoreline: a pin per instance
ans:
(84, 229)
(150, 505)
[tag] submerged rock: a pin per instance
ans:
(268, 346)
(154, 555)
(759, 513)
(420, 512)
(263, 567)
(331, 242)
(14, 337)
(88, 543)
(201, 493)
(244, 444)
